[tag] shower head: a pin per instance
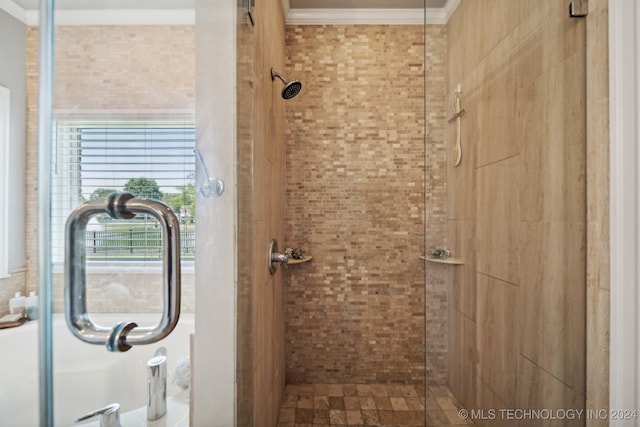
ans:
(291, 88)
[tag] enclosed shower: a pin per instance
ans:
(408, 239)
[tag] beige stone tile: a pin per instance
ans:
(597, 355)
(408, 391)
(531, 131)
(446, 403)
(321, 416)
(305, 402)
(352, 402)
(497, 223)
(487, 402)
(336, 402)
(354, 417)
(498, 138)
(379, 390)
(565, 177)
(394, 390)
(337, 417)
(530, 295)
(383, 403)
(364, 390)
(320, 402)
(453, 415)
(287, 415)
(497, 336)
(564, 302)
(305, 390)
(540, 390)
(462, 357)
(370, 417)
(350, 390)
(321, 389)
(367, 402)
(462, 235)
(399, 404)
(411, 418)
(414, 403)
(436, 418)
(290, 400)
(304, 415)
(563, 35)
(387, 417)
(598, 160)
(335, 390)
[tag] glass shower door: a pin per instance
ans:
(122, 121)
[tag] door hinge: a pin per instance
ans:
(578, 8)
(248, 6)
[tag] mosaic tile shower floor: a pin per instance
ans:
(386, 405)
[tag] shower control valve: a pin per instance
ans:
(274, 257)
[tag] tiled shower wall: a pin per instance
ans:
(598, 248)
(355, 161)
(517, 207)
(110, 69)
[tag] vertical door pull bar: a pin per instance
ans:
(125, 334)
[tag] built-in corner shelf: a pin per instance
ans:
(299, 261)
(450, 261)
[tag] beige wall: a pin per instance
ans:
(517, 207)
(355, 200)
(13, 77)
(116, 68)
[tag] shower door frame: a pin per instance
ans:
(45, 276)
(624, 110)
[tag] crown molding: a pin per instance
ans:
(118, 17)
(356, 16)
(293, 16)
(15, 10)
(429, 16)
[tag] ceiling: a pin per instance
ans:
(181, 12)
(189, 4)
(111, 4)
(365, 4)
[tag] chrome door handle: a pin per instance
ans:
(125, 334)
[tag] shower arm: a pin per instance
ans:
(275, 74)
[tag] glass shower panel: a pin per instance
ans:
(123, 121)
(510, 301)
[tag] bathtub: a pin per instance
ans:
(88, 377)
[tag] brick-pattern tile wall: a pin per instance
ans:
(102, 69)
(355, 159)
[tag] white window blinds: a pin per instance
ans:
(148, 158)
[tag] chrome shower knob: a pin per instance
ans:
(274, 257)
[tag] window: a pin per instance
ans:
(4, 182)
(149, 158)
